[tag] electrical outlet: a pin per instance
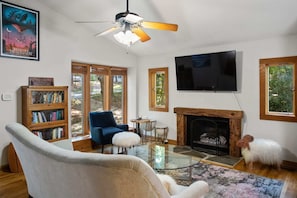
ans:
(6, 96)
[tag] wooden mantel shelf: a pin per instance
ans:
(234, 116)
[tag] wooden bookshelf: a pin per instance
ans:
(45, 111)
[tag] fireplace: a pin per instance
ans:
(208, 134)
(229, 122)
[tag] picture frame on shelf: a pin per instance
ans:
(41, 81)
(19, 32)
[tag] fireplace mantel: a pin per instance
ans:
(235, 118)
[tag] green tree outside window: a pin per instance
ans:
(278, 89)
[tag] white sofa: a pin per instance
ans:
(52, 171)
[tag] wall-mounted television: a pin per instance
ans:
(212, 71)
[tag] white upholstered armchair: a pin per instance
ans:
(52, 171)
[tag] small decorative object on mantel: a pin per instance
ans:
(41, 81)
(19, 32)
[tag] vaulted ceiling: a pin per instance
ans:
(201, 22)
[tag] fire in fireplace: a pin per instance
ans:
(208, 134)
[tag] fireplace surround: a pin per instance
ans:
(234, 117)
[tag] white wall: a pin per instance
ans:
(245, 99)
(61, 41)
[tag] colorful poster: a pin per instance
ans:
(19, 32)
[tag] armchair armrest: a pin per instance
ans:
(97, 134)
(124, 127)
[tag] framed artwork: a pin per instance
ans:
(19, 32)
(41, 81)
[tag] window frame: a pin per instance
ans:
(152, 96)
(264, 65)
(109, 71)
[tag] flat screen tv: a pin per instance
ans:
(212, 71)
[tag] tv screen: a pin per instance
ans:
(213, 71)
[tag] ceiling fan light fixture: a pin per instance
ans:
(131, 25)
(127, 38)
(133, 18)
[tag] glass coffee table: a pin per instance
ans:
(164, 157)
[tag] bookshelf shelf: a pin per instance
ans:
(45, 111)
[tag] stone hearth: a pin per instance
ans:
(235, 119)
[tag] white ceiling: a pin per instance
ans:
(201, 22)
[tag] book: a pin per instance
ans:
(34, 117)
(54, 133)
(54, 97)
(53, 116)
(43, 117)
(39, 117)
(60, 132)
(49, 97)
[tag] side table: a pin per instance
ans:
(138, 122)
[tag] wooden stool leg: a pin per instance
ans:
(165, 141)
(164, 135)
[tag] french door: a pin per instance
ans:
(97, 88)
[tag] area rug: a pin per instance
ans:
(229, 183)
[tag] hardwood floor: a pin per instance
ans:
(13, 185)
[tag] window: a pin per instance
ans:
(158, 89)
(97, 88)
(277, 89)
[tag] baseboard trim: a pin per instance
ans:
(289, 165)
(174, 142)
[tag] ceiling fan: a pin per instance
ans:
(131, 22)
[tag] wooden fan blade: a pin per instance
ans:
(107, 31)
(159, 26)
(141, 34)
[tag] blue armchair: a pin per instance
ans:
(103, 126)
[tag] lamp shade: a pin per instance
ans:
(127, 38)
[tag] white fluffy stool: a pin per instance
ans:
(125, 140)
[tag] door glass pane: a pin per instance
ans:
(159, 90)
(117, 97)
(96, 92)
(77, 104)
(280, 81)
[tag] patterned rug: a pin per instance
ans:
(225, 182)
